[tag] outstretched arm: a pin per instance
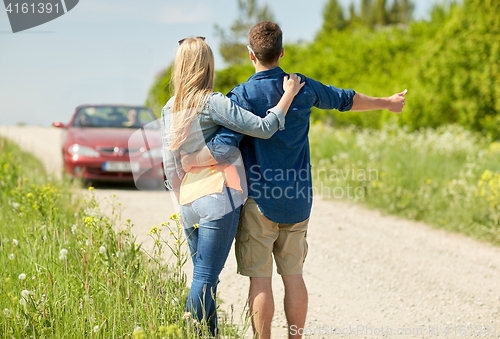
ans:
(393, 103)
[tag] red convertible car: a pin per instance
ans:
(113, 143)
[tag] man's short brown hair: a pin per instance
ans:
(266, 41)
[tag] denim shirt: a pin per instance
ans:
(278, 169)
(218, 111)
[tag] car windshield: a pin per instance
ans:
(115, 117)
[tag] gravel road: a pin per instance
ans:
(367, 274)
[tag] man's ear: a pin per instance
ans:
(252, 56)
(282, 52)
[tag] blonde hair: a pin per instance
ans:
(193, 80)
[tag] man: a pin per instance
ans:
(274, 219)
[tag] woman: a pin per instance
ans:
(209, 196)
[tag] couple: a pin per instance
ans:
(203, 134)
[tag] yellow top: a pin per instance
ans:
(201, 181)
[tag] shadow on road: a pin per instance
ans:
(124, 186)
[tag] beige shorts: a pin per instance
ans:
(258, 238)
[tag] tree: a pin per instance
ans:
(234, 40)
(161, 91)
(401, 11)
(460, 67)
(333, 17)
(366, 12)
(372, 13)
(353, 18)
(380, 13)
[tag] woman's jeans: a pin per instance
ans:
(217, 215)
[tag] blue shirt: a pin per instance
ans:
(278, 169)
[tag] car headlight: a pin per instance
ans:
(83, 150)
(153, 153)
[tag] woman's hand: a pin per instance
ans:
(201, 158)
(291, 84)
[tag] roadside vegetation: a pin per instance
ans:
(448, 177)
(70, 271)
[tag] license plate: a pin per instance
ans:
(120, 166)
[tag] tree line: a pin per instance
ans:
(449, 63)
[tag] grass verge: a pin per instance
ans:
(67, 273)
(447, 177)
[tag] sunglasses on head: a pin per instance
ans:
(197, 37)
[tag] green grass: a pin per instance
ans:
(67, 273)
(437, 176)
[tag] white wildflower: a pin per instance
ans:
(15, 204)
(186, 315)
(73, 228)
(6, 312)
(96, 328)
(22, 276)
(92, 212)
(63, 253)
(22, 302)
(14, 242)
(25, 294)
(138, 332)
(11, 256)
(102, 249)
(87, 242)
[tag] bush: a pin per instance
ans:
(439, 176)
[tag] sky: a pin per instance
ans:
(110, 51)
